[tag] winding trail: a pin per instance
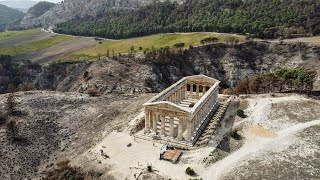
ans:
(255, 146)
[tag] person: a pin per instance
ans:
(101, 152)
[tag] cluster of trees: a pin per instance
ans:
(12, 76)
(209, 40)
(258, 18)
(11, 125)
(282, 80)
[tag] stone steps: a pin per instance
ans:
(213, 124)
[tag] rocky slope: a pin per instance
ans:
(36, 11)
(70, 9)
(228, 63)
(54, 126)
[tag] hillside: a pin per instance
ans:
(261, 18)
(157, 70)
(8, 16)
(81, 9)
(40, 8)
(36, 11)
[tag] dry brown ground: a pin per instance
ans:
(56, 52)
(55, 126)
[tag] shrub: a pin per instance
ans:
(149, 168)
(11, 129)
(179, 45)
(228, 91)
(11, 104)
(240, 113)
(93, 92)
(236, 135)
(3, 118)
(25, 87)
(190, 171)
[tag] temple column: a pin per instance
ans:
(155, 120)
(180, 126)
(189, 127)
(163, 130)
(192, 127)
(147, 121)
(197, 91)
(204, 89)
(171, 125)
(192, 92)
(184, 92)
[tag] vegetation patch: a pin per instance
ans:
(190, 171)
(240, 113)
(281, 80)
(14, 34)
(260, 18)
(149, 43)
(34, 46)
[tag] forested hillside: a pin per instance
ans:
(40, 8)
(8, 16)
(261, 18)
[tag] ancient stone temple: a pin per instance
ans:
(180, 113)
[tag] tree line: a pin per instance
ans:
(281, 80)
(255, 18)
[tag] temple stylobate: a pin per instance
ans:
(181, 112)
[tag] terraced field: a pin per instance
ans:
(40, 46)
(154, 41)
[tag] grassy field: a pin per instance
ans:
(156, 41)
(14, 34)
(34, 46)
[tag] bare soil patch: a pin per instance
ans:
(54, 53)
(56, 126)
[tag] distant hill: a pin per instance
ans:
(257, 18)
(8, 16)
(82, 9)
(34, 12)
(20, 5)
(130, 18)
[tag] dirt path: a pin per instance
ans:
(264, 157)
(24, 39)
(51, 54)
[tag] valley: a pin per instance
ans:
(158, 90)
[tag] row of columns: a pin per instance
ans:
(152, 119)
(204, 110)
(178, 96)
(168, 119)
(196, 94)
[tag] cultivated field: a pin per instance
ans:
(154, 41)
(57, 51)
(15, 38)
(35, 46)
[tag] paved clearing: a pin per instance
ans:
(56, 52)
